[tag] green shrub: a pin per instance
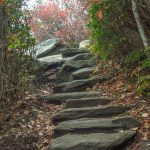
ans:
(109, 33)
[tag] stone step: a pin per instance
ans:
(79, 85)
(48, 47)
(53, 64)
(92, 125)
(89, 112)
(83, 56)
(93, 141)
(70, 52)
(87, 102)
(61, 97)
(75, 65)
(83, 73)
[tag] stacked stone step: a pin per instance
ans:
(89, 120)
(75, 73)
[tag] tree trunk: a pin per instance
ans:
(139, 24)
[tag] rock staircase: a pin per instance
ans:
(89, 121)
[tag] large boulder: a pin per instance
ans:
(70, 52)
(48, 47)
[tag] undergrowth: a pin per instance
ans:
(115, 36)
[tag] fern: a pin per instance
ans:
(134, 56)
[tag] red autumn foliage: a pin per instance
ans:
(65, 20)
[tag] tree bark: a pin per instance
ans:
(139, 24)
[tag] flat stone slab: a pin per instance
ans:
(75, 65)
(70, 52)
(50, 62)
(79, 85)
(61, 97)
(83, 73)
(51, 59)
(92, 125)
(87, 102)
(89, 112)
(45, 48)
(83, 56)
(93, 141)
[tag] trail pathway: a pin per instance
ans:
(89, 121)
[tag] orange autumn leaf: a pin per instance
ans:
(95, 1)
(86, 5)
(2, 1)
(100, 15)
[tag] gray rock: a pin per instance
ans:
(87, 102)
(47, 47)
(70, 52)
(75, 65)
(85, 44)
(93, 141)
(61, 97)
(79, 85)
(50, 62)
(89, 112)
(83, 56)
(62, 76)
(90, 125)
(83, 73)
(51, 59)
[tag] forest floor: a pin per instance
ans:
(30, 126)
(125, 92)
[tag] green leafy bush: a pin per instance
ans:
(15, 42)
(109, 32)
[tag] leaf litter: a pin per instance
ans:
(30, 126)
(125, 93)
